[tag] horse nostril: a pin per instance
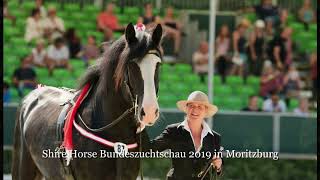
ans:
(142, 112)
(157, 111)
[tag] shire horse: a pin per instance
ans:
(129, 68)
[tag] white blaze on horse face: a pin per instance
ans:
(149, 104)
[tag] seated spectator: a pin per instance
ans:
(39, 54)
(239, 44)
(148, 19)
(270, 80)
(54, 25)
(200, 60)
(6, 93)
(73, 42)
(34, 26)
(222, 46)
(278, 50)
(292, 83)
(307, 14)
(58, 55)
(7, 14)
(40, 6)
(274, 104)
(303, 109)
(266, 10)
(107, 22)
(253, 104)
(314, 74)
(173, 28)
(257, 48)
(90, 51)
(24, 77)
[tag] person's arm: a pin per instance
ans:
(276, 54)
(251, 46)
(160, 143)
(235, 43)
(100, 22)
(218, 161)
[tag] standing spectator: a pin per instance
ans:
(270, 80)
(277, 50)
(283, 19)
(314, 74)
(266, 10)
(74, 42)
(239, 44)
(6, 93)
(303, 109)
(307, 14)
(39, 54)
(90, 51)
(291, 83)
(270, 31)
(34, 26)
(58, 55)
(257, 48)
(222, 46)
(200, 60)
(24, 76)
(54, 25)
(173, 28)
(274, 104)
(40, 6)
(107, 22)
(253, 104)
(7, 15)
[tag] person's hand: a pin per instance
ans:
(279, 65)
(217, 163)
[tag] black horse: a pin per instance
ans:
(128, 70)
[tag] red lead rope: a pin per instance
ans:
(67, 141)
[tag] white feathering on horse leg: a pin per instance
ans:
(68, 156)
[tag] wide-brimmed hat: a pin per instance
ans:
(201, 98)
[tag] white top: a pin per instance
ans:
(205, 130)
(200, 68)
(38, 57)
(58, 54)
(269, 107)
(297, 111)
(34, 29)
(56, 22)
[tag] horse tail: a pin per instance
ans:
(23, 166)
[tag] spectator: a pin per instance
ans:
(270, 31)
(257, 48)
(107, 22)
(291, 83)
(314, 74)
(200, 60)
(24, 76)
(6, 93)
(34, 27)
(148, 19)
(270, 80)
(239, 44)
(303, 109)
(39, 54)
(7, 14)
(283, 19)
(253, 104)
(222, 46)
(278, 50)
(40, 6)
(74, 42)
(90, 51)
(274, 104)
(307, 14)
(267, 11)
(54, 25)
(58, 55)
(173, 28)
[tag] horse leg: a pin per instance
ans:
(23, 166)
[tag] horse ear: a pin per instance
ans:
(157, 34)
(130, 34)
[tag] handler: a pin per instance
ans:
(190, 136)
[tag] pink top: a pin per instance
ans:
(222, 47)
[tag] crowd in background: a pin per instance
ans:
(263, 48)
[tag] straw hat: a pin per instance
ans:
(198, 97)
(259, 24)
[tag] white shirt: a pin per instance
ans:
(34, 29)
(56, 22)
(269, 107)
(200, 68)
(298, 112)
(205, 130)
(58, 54)
(38, 57)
